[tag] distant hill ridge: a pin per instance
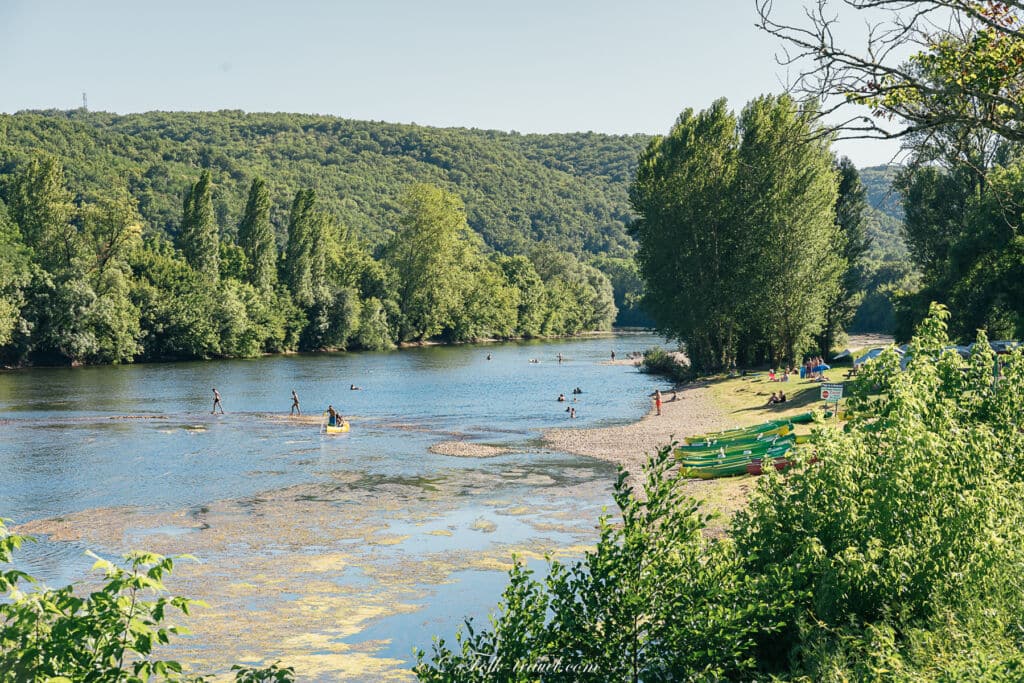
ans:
(567, 190)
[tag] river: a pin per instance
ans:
(337, 554)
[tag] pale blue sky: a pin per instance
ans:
(531, 65)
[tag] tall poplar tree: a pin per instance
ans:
(198, 237)
(426, 252)
(785, 196)
(853, 244)
(688, 237)
(256, 237)
(41, 206)
(305, 267)
(736, 231)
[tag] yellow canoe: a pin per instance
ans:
(337, 429)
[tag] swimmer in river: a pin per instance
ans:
(561, 398)
(353, 387)
(295, 404)
(488, 356)
(216, 402)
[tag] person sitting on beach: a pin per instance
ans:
(561, 398)
(771, 375)
(774, 399)
(785, 376)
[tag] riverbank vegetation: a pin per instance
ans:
(945, 77)
(889, 556)
(739, 243)
(83, 280)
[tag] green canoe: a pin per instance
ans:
(782, 427)
(734, 459)
(746, 449)
(726, 443)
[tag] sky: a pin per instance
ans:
(607, 66)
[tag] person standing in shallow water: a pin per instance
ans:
(216, 402)
(295, 404)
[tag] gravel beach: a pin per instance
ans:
(693, 412)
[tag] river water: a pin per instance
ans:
(339, 553)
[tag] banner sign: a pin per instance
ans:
(831, 393)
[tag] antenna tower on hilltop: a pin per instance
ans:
(85, 102)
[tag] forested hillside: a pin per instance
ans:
(566, 190)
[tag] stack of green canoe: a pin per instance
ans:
(727, 465)
(727, 453)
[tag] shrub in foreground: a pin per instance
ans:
(108, 636)
(656, 600)
(896, 555)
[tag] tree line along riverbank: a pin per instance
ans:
(84, 281)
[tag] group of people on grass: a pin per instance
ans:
(777, 398)
(814, 369)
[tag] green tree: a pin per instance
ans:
(374, 330)
(305, 255)
(41, 206)
(966, 63)
(426, 252)
(198, 236)
(15, 274)
(787, 190)
(175, 306)
(490, 305)
(854, 243)
(256, 237)
(686, 234)
(736, 224)
(889, 558)
(531, 295)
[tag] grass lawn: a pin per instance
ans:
(744, 400)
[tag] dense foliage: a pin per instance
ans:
(894, 554)
(568, 191)
(83, 281)
(964, 200)
(737, 232)
(965, 64)
(656, 600)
